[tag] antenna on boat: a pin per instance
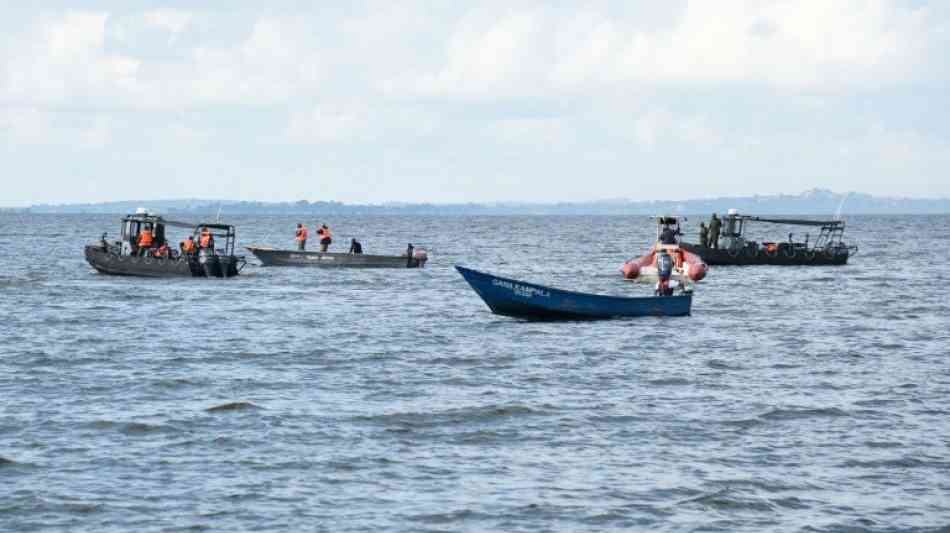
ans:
(841, 206)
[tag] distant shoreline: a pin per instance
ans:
(817, 202)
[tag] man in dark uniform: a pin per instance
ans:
(355, 247)
(668, 235)
(714, 226)
(703, 235)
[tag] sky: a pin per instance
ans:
(370, 102)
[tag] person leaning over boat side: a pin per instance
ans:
(187, 246)
(207, 239)
(326, 237)
(355, 247)
(146, 240)
(714, 226)
(302, 234)
(703, 235)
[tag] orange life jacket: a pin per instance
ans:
(146, 239)
(205, 241)
(325, 234)
(188, 246)
(302, 234)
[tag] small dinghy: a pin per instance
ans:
(515, 298)
(413, 258)
(687, 268)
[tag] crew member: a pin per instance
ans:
(326, 237)
(355, 247)
(146, 240)
(301, 236)
(703, 235)
(206, 241)
(668, 235)
(188, 246)
(714, 226)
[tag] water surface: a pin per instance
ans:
(796, 399)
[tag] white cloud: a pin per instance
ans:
(173, 20)
(814, 45)
(486, 97)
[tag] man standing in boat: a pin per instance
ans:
(206, 242)
(326, 237)
(703, 235)
(355, 247)
(668, 235)
(187, 246)
(146, 240)
(302, 234)
(714, 226)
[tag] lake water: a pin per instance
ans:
(793, 399)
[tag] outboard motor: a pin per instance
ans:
(209, 263)
(664, 266)
(420, 256)
(664, 270)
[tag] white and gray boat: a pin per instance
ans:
(411, 258)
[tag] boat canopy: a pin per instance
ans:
(798, 221)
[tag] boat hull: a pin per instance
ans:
(780, 257)
(209, 266)
(515, 298)
(272, 257)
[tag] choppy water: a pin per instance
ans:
(795, 399)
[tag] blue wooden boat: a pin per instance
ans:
(511, 297)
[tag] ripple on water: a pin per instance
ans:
(799, 413)
(232, 406)
(459, 416)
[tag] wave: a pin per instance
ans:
(801, 413)
(719, 364)
(130, 428)
(726, 499)
(451, 517)
(897, 462)
(464, 415)
(668, 381)
(232, 406)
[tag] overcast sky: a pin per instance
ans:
(471, 101)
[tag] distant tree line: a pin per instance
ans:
(816, 202)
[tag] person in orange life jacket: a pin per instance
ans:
(664, 270)
(146, 240)
(187, 246)
(206, 240)
(301, 236)
(326, 237)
